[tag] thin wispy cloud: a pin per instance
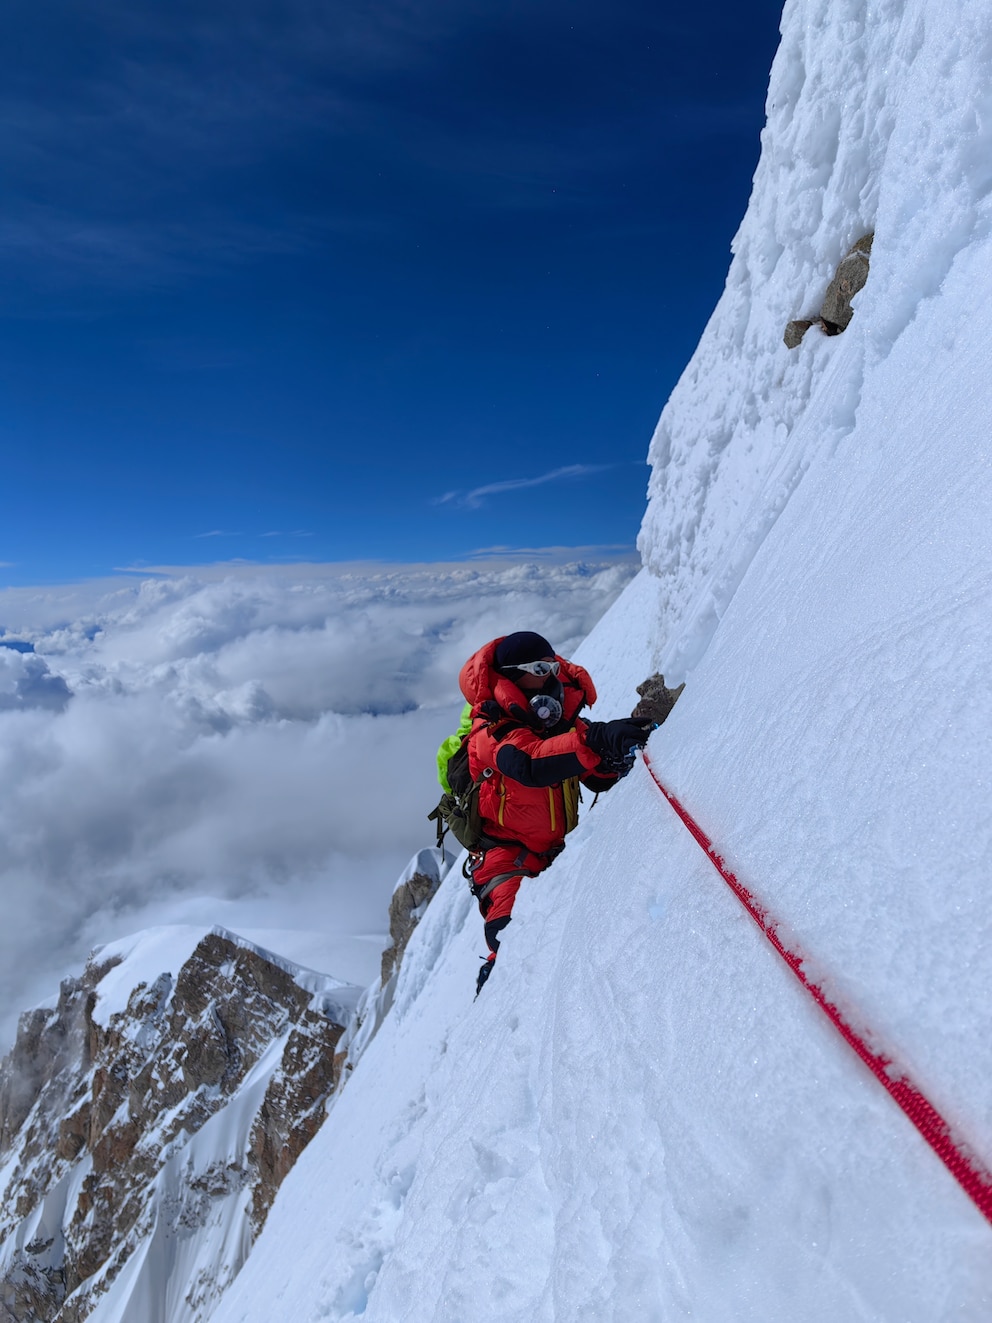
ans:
(150, 171)
(473, 499)
(272, 532)
(230, 564)
(128, 144)
(557, 554)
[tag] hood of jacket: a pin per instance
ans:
(482, 683)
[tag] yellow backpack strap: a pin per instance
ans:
(571, 794)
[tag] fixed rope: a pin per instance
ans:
(970, 1174)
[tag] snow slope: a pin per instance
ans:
(643, 1117)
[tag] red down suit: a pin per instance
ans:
(530, 776)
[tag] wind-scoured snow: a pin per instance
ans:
(879, 118)
(643, 1116)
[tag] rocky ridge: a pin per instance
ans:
(146, 1123)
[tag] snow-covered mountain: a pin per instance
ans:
(644, 1116)
(147, 1118)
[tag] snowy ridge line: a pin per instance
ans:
(973, 1177)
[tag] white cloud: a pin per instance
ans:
(252, 746)
(26, 682)
(473, 499)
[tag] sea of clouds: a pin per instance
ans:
(240, 746)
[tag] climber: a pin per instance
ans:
(529, 749)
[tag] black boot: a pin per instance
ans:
(484, 972)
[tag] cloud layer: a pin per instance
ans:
(255, 750)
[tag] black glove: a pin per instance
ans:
(615, 741)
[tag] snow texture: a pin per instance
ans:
(643, 1116)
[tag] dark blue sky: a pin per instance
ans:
(276, 277)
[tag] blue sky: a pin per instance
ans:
(334, 281)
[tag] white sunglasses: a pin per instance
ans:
(540, 668)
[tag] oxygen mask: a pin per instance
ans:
(547, 709)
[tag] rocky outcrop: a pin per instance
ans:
(150, 1114)
(293, 1108)
(656, 699)
(412, 894)
(100, 1108)
(836, 312)
(406, 908)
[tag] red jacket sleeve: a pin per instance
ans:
(525, 757)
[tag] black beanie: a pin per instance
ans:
(523, 646)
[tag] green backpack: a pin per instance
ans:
(458, 808)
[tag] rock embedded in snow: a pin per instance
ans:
(105, 1104)
(851, 277)
(836, 311)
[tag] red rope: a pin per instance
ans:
(971, 1175)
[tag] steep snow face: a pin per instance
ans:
(643, 1116)
(878, 119)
